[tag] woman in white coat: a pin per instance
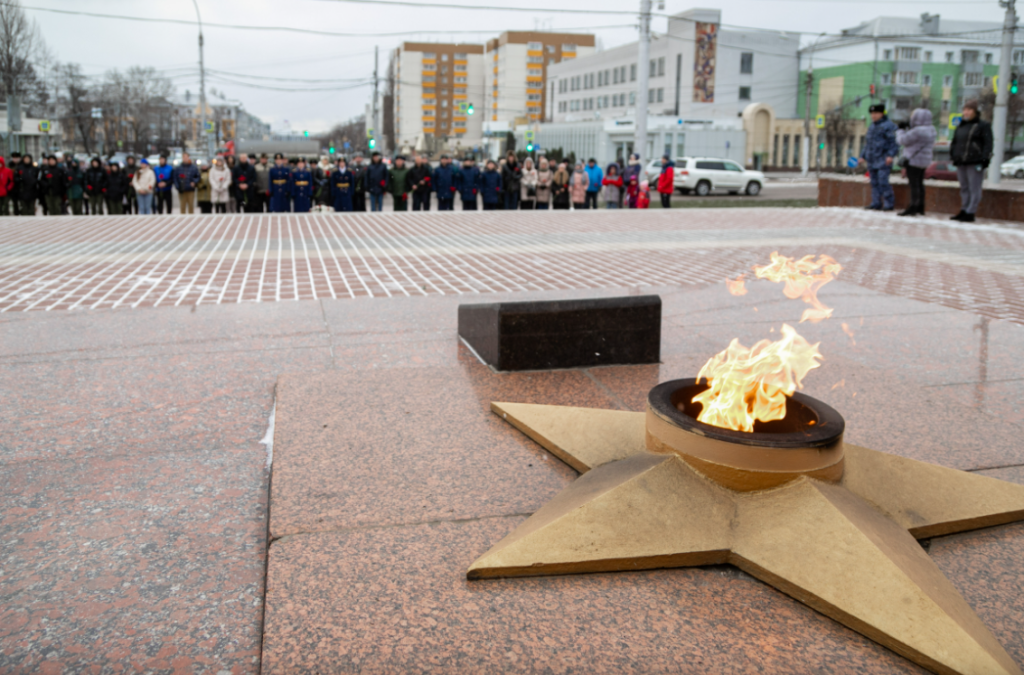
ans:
(220, 185)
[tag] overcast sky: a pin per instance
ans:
(257, 56)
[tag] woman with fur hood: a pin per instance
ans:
(917, 139)
(220, 186)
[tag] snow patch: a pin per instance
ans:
(268, 438)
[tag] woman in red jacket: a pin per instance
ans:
(6, 187)
(666, 182)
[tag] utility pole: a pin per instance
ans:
(202, 88)
(376, 54)
(805, 150)
(643, 66)
(1003, 94)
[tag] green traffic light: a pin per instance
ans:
(306, 134)
(529, 147)
(373, 143)
(469, 110)
(332, 150)
(1013, 86)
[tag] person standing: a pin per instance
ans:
(186, 178)
(6, 187)
(880, 150)
(421, 182)
(545, 176)
(26, 177)
(280, 186)
(53, 186)
(560, 188)
(612, 187)
(528, 186)
(971, 152)
(467, 182)
(444, 184)
(343, 187)
(143, 184)
(358, 183)
(220, 185)
(302, 187)
(130, 167)
(666, 181)
(261, 199)
(376, 181)
(511, 181)
(203, 192)
(398, 179)
(243, 176)
(15, 191)
(321, 173)
(76, 185)
(95, 186)
(631, 179)
(917, 139)
(164, 174)
(596, 178)
(117, 188)
(490, 186)
(580, 184)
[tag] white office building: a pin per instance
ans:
(698, 71)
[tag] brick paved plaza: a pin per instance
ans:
(145, 526)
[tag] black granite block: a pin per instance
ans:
(564, 333)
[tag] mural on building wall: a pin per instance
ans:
(704, 62)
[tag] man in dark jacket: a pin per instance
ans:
(186, 178)
(511, 179)
(358, 183)
(880, 151)
(117, 188)
(376, 181)
(280, 186)
(421, 181)
(467, 182)
(27, 178)
(95, 186)
(444, 184)
(490, 186)
(243, 178)
(262, 200)
(52, 186)
(76, 185)
(971, 152)
(164, 174)
(131, 203)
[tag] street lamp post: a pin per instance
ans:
(202, 85)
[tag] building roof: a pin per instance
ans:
(926, 27)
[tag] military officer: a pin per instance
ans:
(280, 186)
(343, 186)
(302, 187)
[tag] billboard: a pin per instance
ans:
(706, 47)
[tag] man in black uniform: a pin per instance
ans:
(358, 175)
(243, 177)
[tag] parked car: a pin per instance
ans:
(937, 171)
(701, 175)
(1013, 167)
(653, 169)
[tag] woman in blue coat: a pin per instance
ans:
(342, 187)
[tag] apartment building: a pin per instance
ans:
(517, 72)
(698, 70)
(939, 63)
(434, 86)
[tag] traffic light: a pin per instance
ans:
(332, 149)
(821, 146)
(1013, 84)
(872, 90)
(469, 109)
(306, 134)
(529, 147)
(373, 143)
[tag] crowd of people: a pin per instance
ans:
(970, 150)
(235, 185)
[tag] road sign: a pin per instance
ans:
(819, 121)
(463, 107)
(852, 162)
(346, 145)
(954, 120)
(528, 135)
(44, 126)
(995, 84)
(209, 126)
(369, 133)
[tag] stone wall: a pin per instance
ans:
(1001, 203)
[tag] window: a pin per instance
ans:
(561, 86)
(928, 57)
(988, 58)
(926, 80)
(458, 68)
(945, 105)
(568, 48)
(534, 46)
(650, 96)
(607, 77)
(947, 81)
(428, 80)
(535, 59)
(661, 95)
(906, 77)
(887, 55)
(615, 76)
(908, 54)
(444, 113)
(622, 74)
(972, 79)
(632, 73)
(429, 55)
(747, 63)
(632, 98)
(1018, 57)
(886, 78)
(969, 56)
(551, 49)
(661, 65)
(459, 124)
(533, 97)
(652, 69)
(744, 93)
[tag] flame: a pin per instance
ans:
(804, 278)
(737, 286)
(752, 384)
(849, 333)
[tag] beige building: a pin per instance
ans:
(775, 142)
(435, 85)
(517, 72)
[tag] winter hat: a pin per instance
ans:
(972, 104)
(144, 161)
(877, 108)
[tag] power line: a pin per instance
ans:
(502, 8)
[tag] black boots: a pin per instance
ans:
(959, 216)
(963, 217)
(910, 211)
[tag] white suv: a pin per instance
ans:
(704, 174)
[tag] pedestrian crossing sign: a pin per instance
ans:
(44, 126)
(528, 135)
(954, 120)
(209, 126)
(819, 121)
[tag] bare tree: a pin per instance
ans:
(77, 107)
(19, 39)
(838, 129)
(1014, 113)
(129, 100)
(353, 132)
